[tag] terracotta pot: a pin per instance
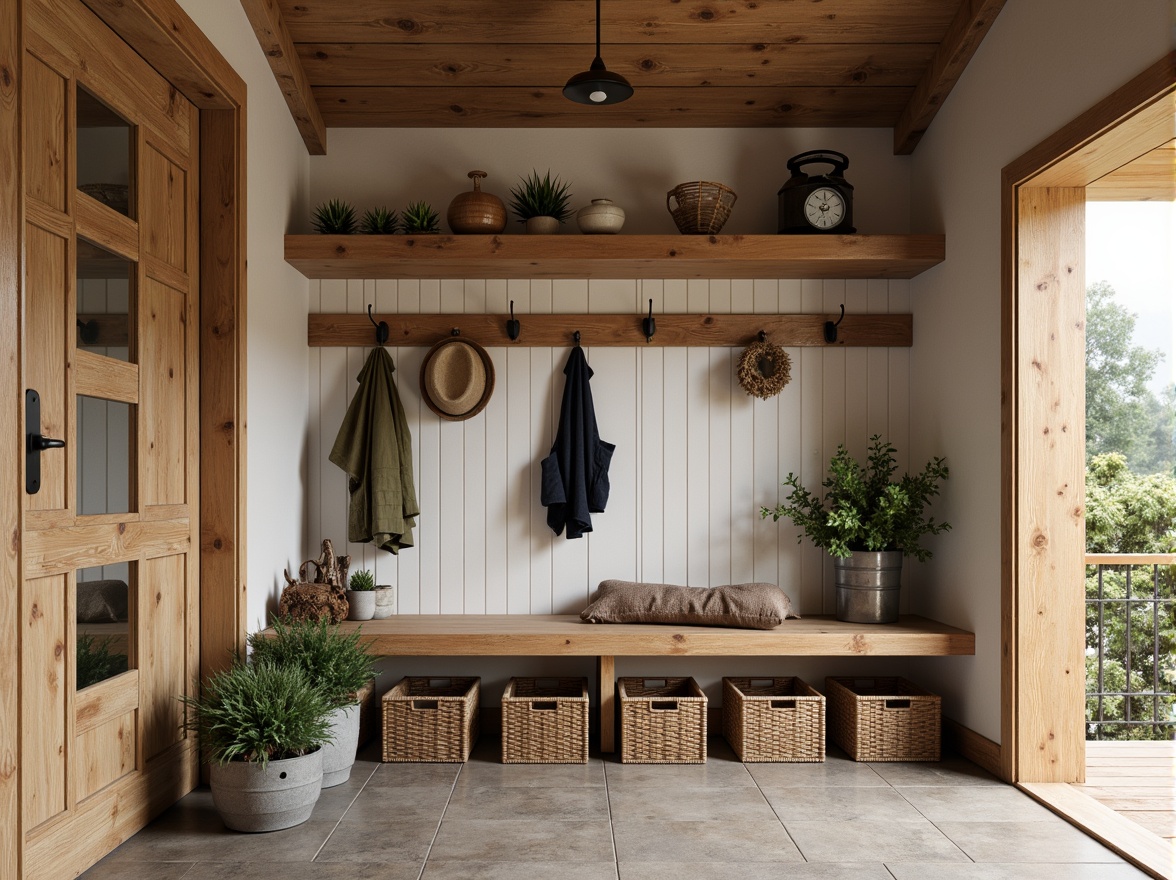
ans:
(476, 212)
(542, 225)
(601, 217)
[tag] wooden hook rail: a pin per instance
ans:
(555, 330)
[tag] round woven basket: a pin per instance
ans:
(701, 207)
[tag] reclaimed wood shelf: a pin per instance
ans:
(548, 330)
(565, 635)
(613, 256)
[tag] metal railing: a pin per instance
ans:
(1131, 636)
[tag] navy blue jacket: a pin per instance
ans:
(575, 474)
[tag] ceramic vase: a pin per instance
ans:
(542, 225)
(361, 604)
(385, 601)
(476, 212)
(601, 217)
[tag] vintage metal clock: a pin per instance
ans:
(821, 203)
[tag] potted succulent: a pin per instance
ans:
(337, 663)
(380, 221)
(541, 203)
(867, 522)
(335, 217)
(262, 727)
(419, 218)
(361, 596)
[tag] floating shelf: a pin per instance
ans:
(613, 256)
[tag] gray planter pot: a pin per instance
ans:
(868, 586)
(385, 602)
(361, 604)
(282, 795)
(339, 753)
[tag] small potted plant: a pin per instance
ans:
(361, 597)
(419, 218)
(337, 663)
(867, 522)
(541, 203)
(335, 217)
(385, 601)
(262, 727)
(380, 221)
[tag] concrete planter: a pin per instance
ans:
(385, 601)
(339, 753)
(282, 795)
(868, 586)
(361, 604)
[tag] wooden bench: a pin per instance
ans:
(565, 635)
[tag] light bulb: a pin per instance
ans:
(598, 96)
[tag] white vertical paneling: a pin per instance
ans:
(696, 457)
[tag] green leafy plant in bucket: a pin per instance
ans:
(537, 196)
(362, 581)
(261, 711)
(864, 508)
(419, 217)
(335, 217)
(380, 221)
(335, 661)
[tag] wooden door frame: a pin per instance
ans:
(162, 33)
(1043, 421)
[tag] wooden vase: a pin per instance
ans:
(476, 212)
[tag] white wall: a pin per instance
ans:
(276, 199)
(1041, 65)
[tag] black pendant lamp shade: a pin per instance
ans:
(596, 85)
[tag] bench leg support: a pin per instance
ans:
(606, 679)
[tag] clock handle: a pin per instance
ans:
(839, 161)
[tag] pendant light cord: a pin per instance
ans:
(597, 28)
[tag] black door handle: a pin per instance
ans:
(40, 442)
(35, 442)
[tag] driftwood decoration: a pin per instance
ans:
(322, 597)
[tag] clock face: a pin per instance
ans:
(824, 208)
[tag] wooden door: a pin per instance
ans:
(109, 597)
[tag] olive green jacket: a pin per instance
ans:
(375, 449)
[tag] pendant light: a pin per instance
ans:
(596, 85)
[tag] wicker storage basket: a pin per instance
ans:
(431, 719)
(663, 721)
(702, 207)
(545, 721)
(773, 719)
(883, 719)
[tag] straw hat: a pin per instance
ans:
(457, 379)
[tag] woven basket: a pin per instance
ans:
(545, 721)
(663, 721)
(431, 719)
(702, 207)
(773, 719)
(883, 719)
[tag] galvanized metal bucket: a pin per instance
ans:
(867, 586)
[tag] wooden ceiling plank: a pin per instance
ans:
(1150, 178)
(528, 65)
(963, 38)
(623, 21)
(270, 29)
(659, 107)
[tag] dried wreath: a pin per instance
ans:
(764, 369)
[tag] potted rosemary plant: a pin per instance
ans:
(262, 727)
(541, 203)
(361, 595)
(868, 522)
(338, 665)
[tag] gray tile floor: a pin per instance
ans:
(610, 821)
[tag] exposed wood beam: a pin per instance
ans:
(670, 107)
(1150, 178)
(266, 19)
(655, 21)
(963, 38)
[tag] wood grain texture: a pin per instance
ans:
(1050, 533)
(98, 376)
(44, 671)
(573, 21)
(163, 209)
(978, 749)
(107, 700)
(611, 330)
(163, 400)
(104, 753)
(163, 624)
(266, 19)
(483, 65)
(46, 168)
(11, 429)
(606, 694)
(619, 257)
(542, 635)
(56, 551)
(968, 28)
(47, 286)
(1151, 177)
(393, 106)
(107, 228)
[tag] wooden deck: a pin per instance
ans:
(1136, 780)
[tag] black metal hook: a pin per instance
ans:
(381, 328)
(88, 331)
(576, 337)
(763, 336)
(512, 326)
(648, 325)
(831, 327)
(455, 331)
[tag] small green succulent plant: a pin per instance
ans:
(335, 217)
(380, 221)
(419, 217)
(362, 581)
(537, 196)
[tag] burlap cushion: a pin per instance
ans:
(749, 606)
(102, 601)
